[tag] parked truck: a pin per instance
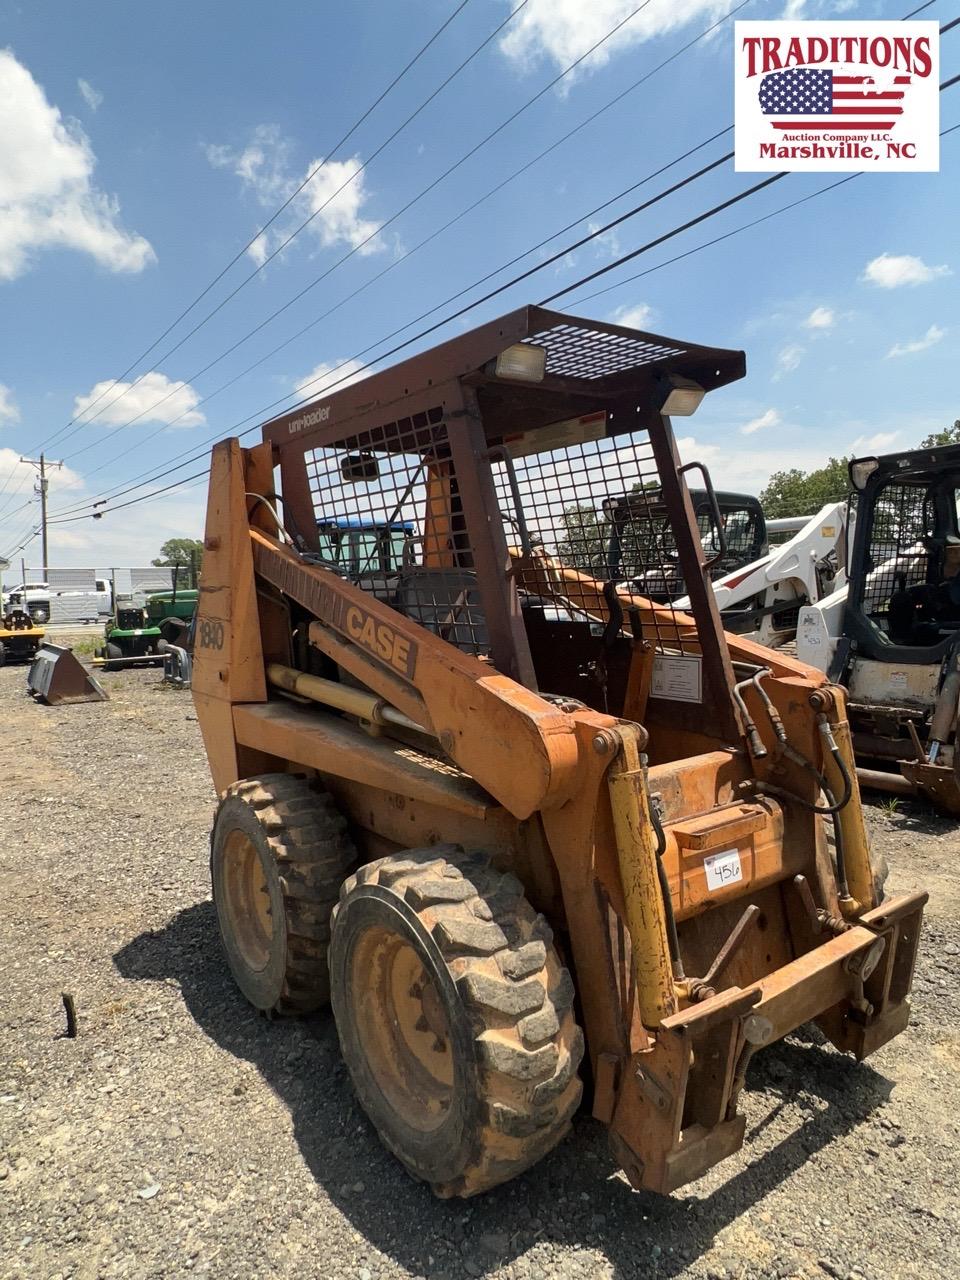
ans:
(32, 598)
(88, 606)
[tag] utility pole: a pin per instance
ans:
(41, 464)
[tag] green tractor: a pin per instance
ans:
(134, 634)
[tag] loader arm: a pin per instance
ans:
(459, 700)
(520, 748)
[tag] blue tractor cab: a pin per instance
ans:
(358, 547)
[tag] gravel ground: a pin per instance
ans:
(181, 1133)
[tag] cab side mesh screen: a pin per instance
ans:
(389, 519)
(590, 513)
(897, 558)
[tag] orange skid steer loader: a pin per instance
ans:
(524, 828)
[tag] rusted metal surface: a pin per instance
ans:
(614, 828)
(509, 647)
(717, 667)
(938, 782)
(894, 784)
(589, 362)
(56, 676)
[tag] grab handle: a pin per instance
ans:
(714, 513)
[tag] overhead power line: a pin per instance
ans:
(643, 249)
(396, 262)
(16, 511)
(19, 489)
(540, 155)
(343, 259)
(316, 212)
(23, 539)
(596, 234)
(276, 214)
(199, 475)
(68, 516)
(373, 234)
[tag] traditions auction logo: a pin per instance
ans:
(840, 96)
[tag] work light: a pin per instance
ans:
(679, 397)
(861, 471)
(523, 362)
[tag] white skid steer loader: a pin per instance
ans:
(892, 634)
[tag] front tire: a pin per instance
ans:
(114, 657)
(279, 851)
(455, 1017)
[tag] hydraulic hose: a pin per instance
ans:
(673, 939)
(833, 806)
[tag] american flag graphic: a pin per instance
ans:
(841, 102)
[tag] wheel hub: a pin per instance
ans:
(404, 1028)
(247, 900)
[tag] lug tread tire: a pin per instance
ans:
(309, 845)
(513, 992)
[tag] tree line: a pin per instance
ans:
(803, 493)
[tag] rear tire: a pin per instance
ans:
(279, 851)
(455, 1017)
(174, 631)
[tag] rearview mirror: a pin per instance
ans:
(359, 466)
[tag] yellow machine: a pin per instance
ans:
(532, 834)
(20, 637)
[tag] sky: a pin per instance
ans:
(142, 148)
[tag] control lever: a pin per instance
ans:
(820, 920)
(706, 987)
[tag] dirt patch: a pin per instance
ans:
(181, 1133)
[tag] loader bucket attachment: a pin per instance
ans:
(56, 676)
(936, 782)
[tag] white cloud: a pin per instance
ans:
(153, 399)
(91, 96)
(820, 318)
(769, 419)
(47, 200)
(560, 31)
(21, 487)
(933, 335)
(336, 375)
(635, 317)
(8, 407)
(265, 167)
(787, 360)
(891, 271)
(118, 540)
(693, 450)
(872, 444)
(748, 470)
(607, 244)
